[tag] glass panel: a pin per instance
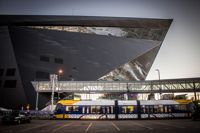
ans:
(123, 109)
(111, 110)
(98, 109)
(75, 108)
(93, 110)
(68, 108)
(10, 72)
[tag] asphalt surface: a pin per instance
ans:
(123, 126)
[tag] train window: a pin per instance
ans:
(75, 108)
(151, 109)
(160, 109)
(68, 108)
(146, 109)
(58, 107)
(176, 107)
(98, 109)
(165, 109)
(83, 110)
(156, 110)
(123, 109)
(87, 110)
(180, 107)
(103, 110)
(183, 107)
(93, 109)
(169, 109)
(108, 110)
(111, 110)
(143, 109)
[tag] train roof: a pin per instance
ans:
(97, 102)
(158, 102)
(127, 102)
(120, 102)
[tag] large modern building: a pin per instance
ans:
(85, 48)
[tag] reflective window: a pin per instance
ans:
(156, 110)
(58, 60)
(95, 109)
(169, 109)
(151, 109)
(10, 84)
(10, 72)
(123, 109)
(75, 108)
(41, 75)
(180, 107)
(85, 110)
(111, 110)
(160, 109)
(1, 71)
(44, 58)
(68, 108)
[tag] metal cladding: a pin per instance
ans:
(125, 52)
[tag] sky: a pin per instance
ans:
(179, 55)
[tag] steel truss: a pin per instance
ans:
(150, 86)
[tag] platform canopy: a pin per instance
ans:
(155, 86)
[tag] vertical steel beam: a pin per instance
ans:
(195, 94)
(37, 98)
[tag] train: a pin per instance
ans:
(122, 109)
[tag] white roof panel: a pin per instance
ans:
(158, 102)
(128, 102)
(97, 102)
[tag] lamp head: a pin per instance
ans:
(60, 71)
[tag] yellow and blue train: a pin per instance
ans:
(122, 109)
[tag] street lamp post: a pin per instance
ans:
(53, 80)
(159, 81)
(60, 72)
